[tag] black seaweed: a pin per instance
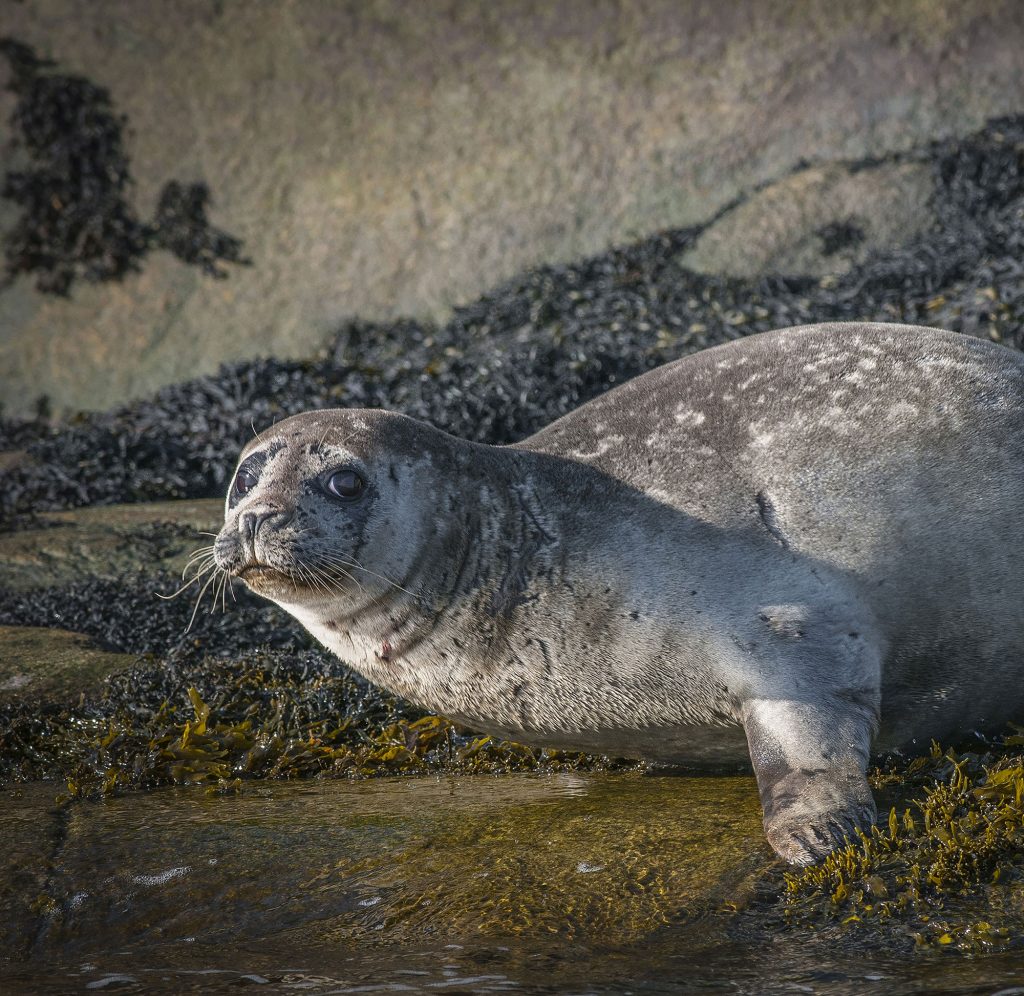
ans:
(76, 220)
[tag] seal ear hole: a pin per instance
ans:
(345, 483)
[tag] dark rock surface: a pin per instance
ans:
(38, 665)
(76, 221)
(55, 549)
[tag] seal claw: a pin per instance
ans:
(811, 839)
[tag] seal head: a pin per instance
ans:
(326, 508)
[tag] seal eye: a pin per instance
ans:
(245, 481)
(345, 484)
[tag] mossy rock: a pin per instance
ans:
(52, 664)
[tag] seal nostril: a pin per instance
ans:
(250, 523)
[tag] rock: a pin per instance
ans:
(106, 542)
(820, 220)
(52, 664)
(389, 160)
(599, 884)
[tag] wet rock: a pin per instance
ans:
(601, 861)
(52, 664)
(32, 828)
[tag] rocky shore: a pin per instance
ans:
(107, 689)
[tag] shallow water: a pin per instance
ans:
(560, 884)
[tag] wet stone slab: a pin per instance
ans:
(564, 884)
(32, 828)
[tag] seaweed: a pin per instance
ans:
(266, 716)
(953, 846)
(76, 220)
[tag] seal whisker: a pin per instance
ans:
(322, 582)
(216, 594)
(203, 569)
(307, 577)
(331, 566)
(200, 569)
(341, 562)
(200, 554)
(342, 565)
(323, 438)
(317, 580)
(197, 558)
(199, 599)
(328, 580)
(299, 574)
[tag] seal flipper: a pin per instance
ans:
(810, 759)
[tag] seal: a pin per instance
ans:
(797, 548)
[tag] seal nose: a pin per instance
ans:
(250, 523)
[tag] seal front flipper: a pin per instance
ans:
(810, 758)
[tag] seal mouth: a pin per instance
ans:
(254, 573)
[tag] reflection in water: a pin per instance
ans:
(569, 883)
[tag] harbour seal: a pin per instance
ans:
(800, 546)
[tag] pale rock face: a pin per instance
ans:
(801, 576)
(421, 155)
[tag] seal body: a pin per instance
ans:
(796, 549)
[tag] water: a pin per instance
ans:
(561, 884)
